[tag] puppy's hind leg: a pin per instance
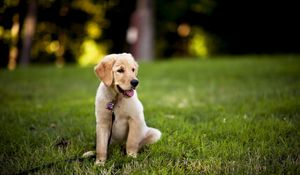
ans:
(152, 136)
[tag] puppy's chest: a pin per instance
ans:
(127, 108)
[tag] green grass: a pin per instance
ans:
(218, 116)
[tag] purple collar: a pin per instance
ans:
(110, 106)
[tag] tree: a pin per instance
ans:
(142, 27)
(28, 32)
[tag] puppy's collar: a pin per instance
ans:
(110, 106)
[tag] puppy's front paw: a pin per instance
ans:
(133, 155)
(99, 162)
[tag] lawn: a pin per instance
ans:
(219, 116)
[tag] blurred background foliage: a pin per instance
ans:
(83, 31)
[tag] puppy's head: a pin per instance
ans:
(119, 71)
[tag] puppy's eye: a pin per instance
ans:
(133, 69)
(120, 70)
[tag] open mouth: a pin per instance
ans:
(127, 93)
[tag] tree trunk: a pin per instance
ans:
(140, 33)
(28, 32)
(14, 51)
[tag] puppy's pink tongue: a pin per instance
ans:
(129, 93)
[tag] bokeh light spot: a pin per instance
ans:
(183, 30)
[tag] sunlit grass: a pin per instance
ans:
(219, 116)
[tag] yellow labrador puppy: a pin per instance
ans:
(116, 94)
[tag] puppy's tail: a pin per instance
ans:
(88, 154)
(152, 136)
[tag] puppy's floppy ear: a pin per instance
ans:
(104, 69)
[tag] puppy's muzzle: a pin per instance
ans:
(134, 83)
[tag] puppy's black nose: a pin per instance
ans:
(134, 82)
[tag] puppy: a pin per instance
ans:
(116, 94)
